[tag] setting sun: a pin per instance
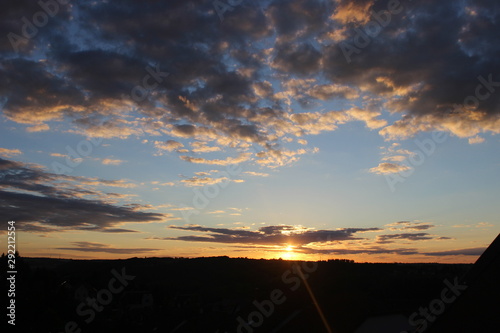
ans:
(289, 254)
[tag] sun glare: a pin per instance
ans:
(289, 254)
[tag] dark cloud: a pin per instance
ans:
(44, 202)
(302, 59)
(104, 248)
(118, 69)
(270, 235)
(410, 226)
(367, 250)
(17, 35)
(461, 252)
(385, 239)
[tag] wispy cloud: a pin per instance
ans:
(385, 239)
(477, 251)
(203, 181)
(256, 174)
(33, 196)
(230, 160)
(104, 248)
(269, 235)
(5, 152)
(109, 161)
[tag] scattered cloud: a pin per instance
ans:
(5, 152)
(169, 145)
(109, 161)
(475, 140)
(388, 168)
(202, 147)
(256, 174)
(203, 181)
(409, 226)
(230, 160)
(38, 128)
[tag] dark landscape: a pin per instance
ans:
(209, 294)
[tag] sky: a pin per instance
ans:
(294, 129)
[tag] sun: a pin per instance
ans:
(288, 253)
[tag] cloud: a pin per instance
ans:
(109, 161)
(118, 230)
(396, 158)
(202, 147)
(342, 241)
(230, 160)
(216, 212)
(368, 116)
(478, 225)
(9, 152)
(69, 158)
(275, 74)
(461, 252)
(388, 168)
(169, 145)
(203, 181)
(352, 11)
(38, 128)
(374, 250)
(269, 235)
(256, 174)
(475, 140)
(45, 202)
(104, 248)
(411, 226)
(385, 239)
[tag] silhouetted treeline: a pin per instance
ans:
(218, 294)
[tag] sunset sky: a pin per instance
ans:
(300, 129)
